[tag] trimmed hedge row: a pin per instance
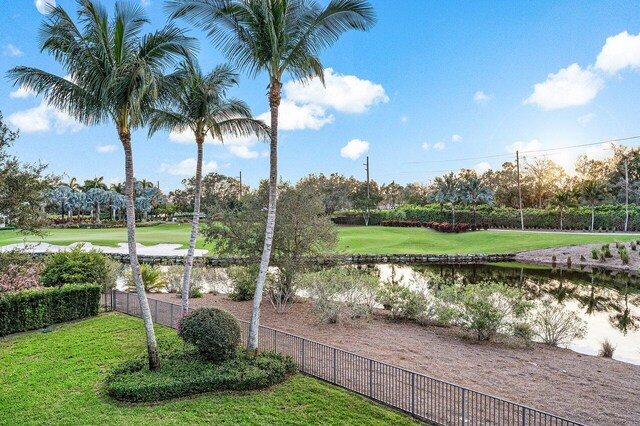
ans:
(185, 373)
(436, 226)
(33, 309)
(607, 218)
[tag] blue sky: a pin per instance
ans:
(435, 86)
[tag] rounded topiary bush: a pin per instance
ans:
(214, 332)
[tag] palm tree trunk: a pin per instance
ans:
(152, 345)
(186, 279)
(593, 217)
(475, 221)
(561, 220)
(254, 325)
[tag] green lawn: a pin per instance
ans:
(356, 239)
(56, 379)
(386, 240)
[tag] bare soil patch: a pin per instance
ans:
(581, 257)
(589, 389)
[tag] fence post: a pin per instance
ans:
(524, 418)
(275, 340)
(463, 410)
(171, 319)
(370, 378)
(113, 300)
(302, 341)
(335, 365)
(127, 303)
(413, 394)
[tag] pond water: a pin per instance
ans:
(608, 302)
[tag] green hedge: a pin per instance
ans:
(607, 218)
(34, 309)
(185, 373)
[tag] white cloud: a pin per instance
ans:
(145, 3)
(583, 120)
(242, 151)
(438, 146)
(11, 50)
(43, 5)
(404, 119)
(42, 118)
(354, 149)
(22, 93)
(533, 145)
(568, 87)
(425, 146)
(482, 167)
(187, 167)
(599, 152)
(456, 138)
(344, 93)
(292, 116)
(482, 98)
(105, 149)
(619, 52)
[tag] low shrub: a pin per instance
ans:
(595, 253)
(77, 266)
(20, 277)
(624, 256)
(243, 279)
(339, 294)
(185, 373)
(214, 332)
(34, 309)
(487, 308)
(14, 258)
(554, 325)
(153, 279)
(607, 349)
(436, 226)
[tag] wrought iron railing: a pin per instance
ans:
(423, 397)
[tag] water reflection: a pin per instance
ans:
(608, 301)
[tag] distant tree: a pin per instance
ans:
(335, 189)
(391, 193)
(561, 201)
(96, 197)
(414, 193)
(504, 183)
(365, 199)
(96, 182)
(543, 177)
(60, 198)
(448, 190)
(23, 187)
(592, 194)
(475, 192)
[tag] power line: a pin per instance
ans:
(528, 152)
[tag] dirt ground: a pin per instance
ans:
(581, 257)
(593, 390)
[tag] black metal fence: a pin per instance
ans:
(426, 398)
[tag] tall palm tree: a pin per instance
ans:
(96, 182)
(114, 74)
(276, 37)
(73, 184)
(593, 193)
(475, 192)
(561, 202)
(201, 106)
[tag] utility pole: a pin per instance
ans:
(366, 218)
(240, 178)
(626, 195)
(519, 191)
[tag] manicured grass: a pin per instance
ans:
(387, 240)
(356, 239)
(57, 378)
(170, 233)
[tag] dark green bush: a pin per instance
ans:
(77, 266)
(15, 257)
(185, 373)
(214, 332)
(244, 282)
(33, 309)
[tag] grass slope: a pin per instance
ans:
(386, 240)
(57, 379)
(356, 239)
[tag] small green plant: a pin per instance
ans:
(487, 308)
(624, 256)
(554, 325)
(77, 266)
(607, 349)
(569, 261)
(607, 253)
(153, 278)
(605, 247)
(243, 280)
(595, 253)
(214, 332)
